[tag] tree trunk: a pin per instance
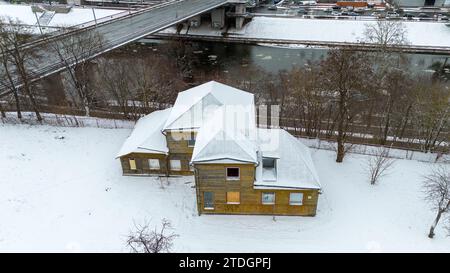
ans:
(16, 98)
(340, 150)
(341, 127)
(2, 111)
(33, 101)
(433, 226)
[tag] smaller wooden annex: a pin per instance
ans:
(211, 133)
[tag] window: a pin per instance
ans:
(191, 140)
(296, 199)
(208, 200)
(233, 197)
(268, 198)
(132, 164)
(153, 164)
(269, 170)
(268, 163)
(175, 165)
(232, 173)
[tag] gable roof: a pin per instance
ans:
(188, 101)
(294, 164)
(147, 136)
(224, 138)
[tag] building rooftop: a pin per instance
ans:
(293, 166)
(193, 106)
(147, 136)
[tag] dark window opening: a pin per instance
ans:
(269, 163)
(232, 173)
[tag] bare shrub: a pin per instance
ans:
(145, 240)
(379, 164)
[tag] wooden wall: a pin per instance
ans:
(142, 166)
(177, 142)
(212, 178)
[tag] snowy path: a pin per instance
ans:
(68, 195)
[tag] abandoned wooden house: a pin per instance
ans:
(211, 133)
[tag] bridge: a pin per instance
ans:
(114, 33)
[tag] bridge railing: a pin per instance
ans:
(93, 24)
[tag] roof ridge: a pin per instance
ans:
(193, 104)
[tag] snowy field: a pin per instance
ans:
(62, 190)
(326, 30)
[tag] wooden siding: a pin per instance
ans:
(212, 178)
(185, 159)
(142, 165)
(177, 142)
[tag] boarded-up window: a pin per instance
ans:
(153, 164)
(208, 200)
(233, 173)
(296, 199)
(175, 165)
(132, 164)
(268, 198)
(233, 197)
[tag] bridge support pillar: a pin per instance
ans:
(195, 21)
(240, 10)
(218, 18)
(54, 89)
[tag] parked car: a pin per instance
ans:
(335, 13)
(336, 7)
(408, 16)
(423, 15)
(353, 13)
(302, 11)
(273, 7)
(392, 14)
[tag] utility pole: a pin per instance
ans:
(39, 24)
(95, 17)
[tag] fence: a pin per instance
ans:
(371, 149)
(67, 121)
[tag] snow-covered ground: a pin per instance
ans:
(62, 190)
(434, 34)
(76, 16)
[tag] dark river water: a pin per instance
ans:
(273, 59)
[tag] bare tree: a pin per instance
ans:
(115, 79)
(16, 60)
(379, 164)
(144, 240)
(385, 33)
(436, 188)
(431, 115)
(73, 53)
(345, 77)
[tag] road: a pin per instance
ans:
(114, 33)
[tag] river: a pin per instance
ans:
(271, 58)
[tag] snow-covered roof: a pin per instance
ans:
(193, 106)
(228, 135)
(294, 165)
(147, 136)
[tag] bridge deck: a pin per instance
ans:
(114, 33)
